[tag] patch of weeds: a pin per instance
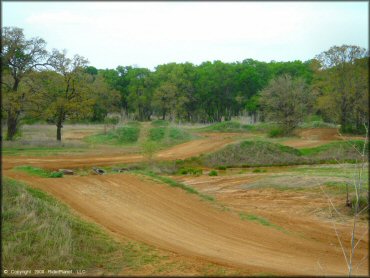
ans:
(260, 220)
(177, 184)
(228, 126)
(35, 171)
(124, 135)
(213, 173)
(177, 134)
(156, 133)
(160, 123)
(363, 201)
(221, 168)
(276, 132)
(259, 170)
(190, 171)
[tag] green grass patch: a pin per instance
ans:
(190, 171)
(177, 184)
(260, 220)
(259, 170)
(160, 123)
(213, 173)
(228, 126)
(341, 147)
(35, 171)
(165, 136)
(156, 133)
(263, 153)
(124, 135)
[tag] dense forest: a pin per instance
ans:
(55, 88)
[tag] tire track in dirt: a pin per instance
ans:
(174, 220)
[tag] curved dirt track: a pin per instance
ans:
(180, 151)
(174, 220)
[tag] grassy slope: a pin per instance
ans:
(164, 135)
(38, 232)
(128, 134)
(260, 153)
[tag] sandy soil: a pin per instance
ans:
(174, 220)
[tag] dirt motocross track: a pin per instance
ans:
(181, 151)
(171, 219)
(174, 220)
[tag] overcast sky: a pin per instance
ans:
(147, 34)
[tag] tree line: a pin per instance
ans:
(54, 87)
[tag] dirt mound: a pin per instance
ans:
(327, 134)
(173, 220)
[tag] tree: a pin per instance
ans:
(67, 94)
(106, 99)
(286, 101)
(140, 93)
(19, 58)
(343, 84)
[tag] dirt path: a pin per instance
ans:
(174, 220)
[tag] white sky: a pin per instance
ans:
(147, 34)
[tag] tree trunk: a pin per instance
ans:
(12, 126)
(59, 131)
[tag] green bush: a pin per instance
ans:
(213, 173)
(221, 167)
(276, 132)
(191, 171)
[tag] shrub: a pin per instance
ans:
(221, 167)
(276, 132)
(213, 173)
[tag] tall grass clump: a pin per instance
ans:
(35, 171)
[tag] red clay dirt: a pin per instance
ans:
(174, 220)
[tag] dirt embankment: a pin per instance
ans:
(177, 221)
(314, 137)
